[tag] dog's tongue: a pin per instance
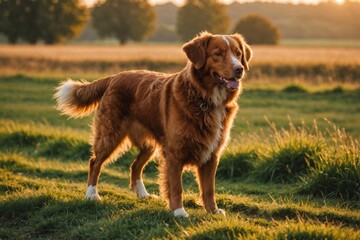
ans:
(229, 84)
(232, 84)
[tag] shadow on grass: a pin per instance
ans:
(44, 216)
(48, 174)
(136, 224)
(284, 213)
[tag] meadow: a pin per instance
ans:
(291, 170)
(314, 64)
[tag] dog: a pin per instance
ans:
(187, 116)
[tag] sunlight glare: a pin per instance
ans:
(340, 2)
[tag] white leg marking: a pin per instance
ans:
(219, 211)
(180, 212)
(140, 189)
(92, 194)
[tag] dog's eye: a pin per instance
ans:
(219, 54)
(238, 53)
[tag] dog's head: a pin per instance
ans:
(224, 57)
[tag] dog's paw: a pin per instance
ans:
(92, 194)
(219, 211)
(154, 196)
(142, 195)
(140, 190)
(180, 212)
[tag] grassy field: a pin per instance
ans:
(173, 52)
(315, 64)
(287, 173)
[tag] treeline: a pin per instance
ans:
(41, 20)
(323, 21)
(136, 20)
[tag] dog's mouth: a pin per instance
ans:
(231, 83)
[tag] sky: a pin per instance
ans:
(180, 2)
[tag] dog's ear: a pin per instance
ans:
(245, 48)
(196, 49)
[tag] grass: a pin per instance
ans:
(292, 180)
(43, 198)
(292, 154)
(337, 171)
(17, 92)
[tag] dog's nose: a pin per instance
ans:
(238, 71)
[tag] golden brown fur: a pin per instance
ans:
(187, 115)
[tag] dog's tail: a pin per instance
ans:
(78, 99)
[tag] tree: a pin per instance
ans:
(124, 19)
(201, 15)
(16, 20)
(33, 20)
(60, 20)
(258, 30)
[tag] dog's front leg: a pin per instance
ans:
(174, 169)
(206, 180)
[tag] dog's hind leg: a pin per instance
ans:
(136, 169)
(102, 151)
(110, 137)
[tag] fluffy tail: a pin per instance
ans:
(78, 99)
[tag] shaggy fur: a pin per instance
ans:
(186, 115)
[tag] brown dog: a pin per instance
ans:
(187, 115)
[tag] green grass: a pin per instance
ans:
(29, 98)
(313, 192)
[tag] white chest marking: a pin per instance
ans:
(218, 99)
(219, 96)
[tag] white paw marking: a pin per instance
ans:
(180, 212)
(140, 189)
(92, 194)
(219, 211)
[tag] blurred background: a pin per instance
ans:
(308, 22)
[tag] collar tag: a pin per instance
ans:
(204, 106)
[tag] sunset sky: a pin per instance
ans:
(180, 2)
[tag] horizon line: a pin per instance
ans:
(179, 3)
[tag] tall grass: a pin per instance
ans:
(291, 154)
(236, 164)
(337, 171)
(325, 164)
